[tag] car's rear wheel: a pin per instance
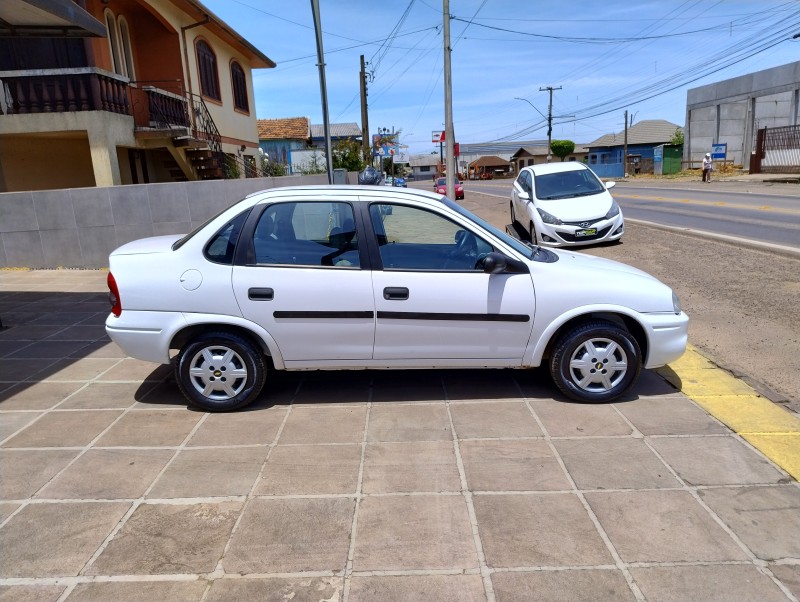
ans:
(595, 362)
(220, 371)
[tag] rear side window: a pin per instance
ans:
(222, 245)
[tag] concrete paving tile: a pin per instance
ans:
(137, 370)
(49, 349)
(766, 519)
(11, 422)
(431, 588)
(407, 386)
(635, 466)
(211, 472)
(245, 427)
(64, 429)
(101, 349)
(720, 583)
(662, 526)
(108, 474)
(28, 332)
(31, 593)
(484, 419)
(151, 428)
(98, 396)
(489, 385)
(161, 539)
(569, 419)
(536, 383)
(410, 466)
(36, 396)
(413, 533)
(53, 540)
(311, 470)
(81, 332)
(526, 465)
(725, 461)
(291, 535)
(75, 369)
(585, 585)
(649, 384)
(538, 530)
(24, 472)
(305, 589)
(15, 371)
(271, 588)
(63, 318)
(165, 394)
(789, 575)
(334, 424)
(670, 416)
(9, 347)
(139, 591)
(409, 423)
(334, 387)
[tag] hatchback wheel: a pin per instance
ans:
(220, 371)
(511, 210)
(532, 231)
(595, 362)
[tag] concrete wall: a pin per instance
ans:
(733, 110)
(79, 227)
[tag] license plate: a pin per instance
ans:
(586, 232)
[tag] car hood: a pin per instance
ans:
(154, 244)
(588, 280)
(580, 208)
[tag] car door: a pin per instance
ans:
(521, 185)
(432, 298)
(307, 281)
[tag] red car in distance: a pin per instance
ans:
(440, 186)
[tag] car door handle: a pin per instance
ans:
(260, 294)
(395, 293)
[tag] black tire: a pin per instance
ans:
(532, 231)
(220, 371)
(595, 362)
(511, 210)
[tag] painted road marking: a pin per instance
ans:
(770, 208)
(772, 430)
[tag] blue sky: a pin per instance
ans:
(606, 56)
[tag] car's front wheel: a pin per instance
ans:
(220, 371)
(595, 362)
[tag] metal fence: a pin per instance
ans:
(777, 150)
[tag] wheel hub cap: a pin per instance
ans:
(598, 365)
(218, 372)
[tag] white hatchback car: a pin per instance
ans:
(358, 277)
(565, 204)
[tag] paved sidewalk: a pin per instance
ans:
(420, 485)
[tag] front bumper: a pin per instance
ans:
(567, 235)
(667, 335)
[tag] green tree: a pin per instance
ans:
(347, 155)
(562, 148)
(272, 169)
(677, 137)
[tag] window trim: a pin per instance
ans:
(204, 92)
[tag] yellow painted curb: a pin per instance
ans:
(766, 426)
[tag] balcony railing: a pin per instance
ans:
(63, 91)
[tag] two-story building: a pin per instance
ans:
(108, 92)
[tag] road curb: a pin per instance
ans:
(792, 252)
(769, 428)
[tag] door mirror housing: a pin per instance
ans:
(497, 263)
(610, 185)
(523, 195)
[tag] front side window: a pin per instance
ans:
(239, 85)
(307, 234)
(207, 66)
(410, 238)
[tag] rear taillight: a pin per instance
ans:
(113, 295)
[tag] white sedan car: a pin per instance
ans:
(358, 277)
(565, 204)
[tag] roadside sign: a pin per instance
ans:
(719, 151)
(383, 146)
(437, 136)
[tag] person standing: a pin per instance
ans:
(708, 167)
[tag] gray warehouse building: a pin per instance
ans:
(732, 111)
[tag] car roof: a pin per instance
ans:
(547, 168)
(332, 189)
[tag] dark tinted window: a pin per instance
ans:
(221, 247)
(207, 66)
(239, 83)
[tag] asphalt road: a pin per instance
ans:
(742, 301)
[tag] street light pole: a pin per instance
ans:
(448, 106)
(549, 121)
(323, 90)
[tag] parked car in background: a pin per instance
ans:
(356, 277)
(565, 204)
(396, 181)
(440, 186)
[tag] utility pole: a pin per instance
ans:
(323, 89)
(549, 121)
(365, 142)
(625, 149)
(448, 106)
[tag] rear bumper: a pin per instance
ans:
(667, 336)
(145, 335)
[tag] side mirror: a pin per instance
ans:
(497, 263)
(610, 185)
(523, 196)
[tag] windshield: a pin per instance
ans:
(567, 184)
(512, 242)
(443, 182)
